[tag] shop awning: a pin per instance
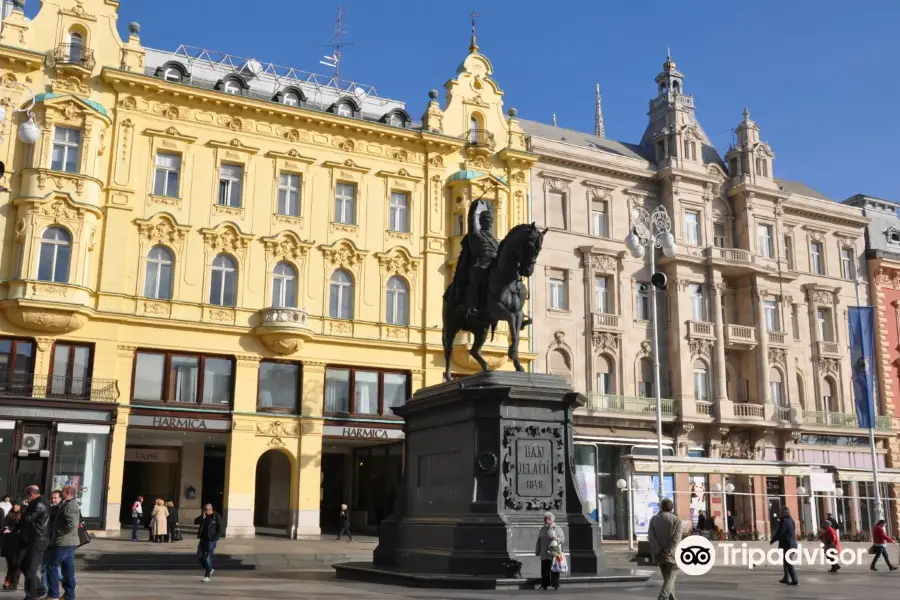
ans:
(617, 436)
(887, 476)
(701, 466)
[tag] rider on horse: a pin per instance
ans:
(479, 249)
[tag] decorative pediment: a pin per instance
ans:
(234, 145)
(815, 235)
(59, 207)
(606, 342)
(700, 348)
(820, 296)
(845, 241)
(162, 228)
(343, 254)
(398, 261)
(287, 245)
(227, 237)
(399, 174)
(292, 154)
(777, 356)
(597, 191)
(602, 263)
(71, 108)
(347, 165)
(171, 133)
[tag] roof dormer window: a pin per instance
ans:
(172, 74)
(232, 87)
(893, 235)
(291, 99)
(396, 120)
(344, 110)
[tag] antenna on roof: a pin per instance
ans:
(336, 43)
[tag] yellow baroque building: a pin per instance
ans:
(219, 274)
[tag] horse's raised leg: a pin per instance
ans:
(514, 322)
(475, 352)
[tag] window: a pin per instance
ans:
(396, 120)
(692, 228)
(690, 150)
(291, 99)
(56, 252)
(223, 281)
(66, 149)
(771, 310)
(16, 363)
(183, 378)
(365, 391)
(397, 301)
(604, 375)
(830, 397)
(776, 388)
(232, 87)
(719, 235)
(399, 217)
(344, 110)
(76, 47)
(173, 74)
(558, 297)
(168, 169)
(823, 317)
(473, 129)
(789, 252)
(279, 387)
(231, 180)
(556, 210)
(158, 279)
(642, 302)
(701, 381)
(71, 371)
(341, 300)
(284, 285)
(345, 203)
(599, 226)
(459, 226)
(795, 320)
(762, 167)
(660, 151)
(698, 303)
(816, 264)
(289, 194)
(847, 263)
(81, 456)
(766, 249)
(645, 382)
(601, 295)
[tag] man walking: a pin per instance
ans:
(664, 536)
(137, 513)
(65, 542)
(208, 534)
(786, 536)
(47, 563)
(36, 519)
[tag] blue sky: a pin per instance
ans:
(820, 77)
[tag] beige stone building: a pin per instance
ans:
(755, 369)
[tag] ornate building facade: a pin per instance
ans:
(219, 275)
(755, 369)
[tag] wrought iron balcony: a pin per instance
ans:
(841, 420)
(74, 54)
(481, 138)
(55, 387)
(633, 405)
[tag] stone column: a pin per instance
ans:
(721, 385)
(762, 353)
(240, 464)
(309, 452)
(116, 366)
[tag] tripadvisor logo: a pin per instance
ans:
(695, 555)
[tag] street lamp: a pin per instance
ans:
(652, 231)
(29, 132)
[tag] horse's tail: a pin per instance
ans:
(493, 329)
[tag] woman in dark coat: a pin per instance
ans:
(12, 548)
(173, 521)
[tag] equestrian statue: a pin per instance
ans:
(487, 285)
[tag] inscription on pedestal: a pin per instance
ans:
(534, 468)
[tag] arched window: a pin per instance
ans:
(701, 381)
(341, 297)
(56, 252)
(158, 280)
(284, 285)
(604, 376)
(232, 87)
(560, 364)
(397, 301)
(344, 109)
(173, 74)
(396, 120)
(76, 47)
(800, 392)
(830, 401)
(223, 282)
(473, 129)
(645, 378)
(291, 99)
(776, 388)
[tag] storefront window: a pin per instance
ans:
(586, 477)
(183, 378)
(279, 386)
(80, 461)
(394, 391)
(6, 451)
(364, 391)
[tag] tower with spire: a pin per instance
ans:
(749, 159)
(599, 129)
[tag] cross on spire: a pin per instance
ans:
(473, 46)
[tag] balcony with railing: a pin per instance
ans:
(746, 410)
(818, 418)
(629, 405)
(740, 336)
(605, 322)
(828, 348)
(778, 338)
(480, 139)
(283, 329)
(58, 387)
(704, 408)
(701, 329)
(74, 55)
(735, 255)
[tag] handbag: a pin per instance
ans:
(560, 564)
(872, 549)
(176, 534)
(84, 537)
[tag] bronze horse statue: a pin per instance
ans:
(502, 298)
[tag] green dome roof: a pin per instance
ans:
(464, 175)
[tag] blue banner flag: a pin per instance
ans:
(862, 362)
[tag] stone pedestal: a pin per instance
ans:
(486, 456)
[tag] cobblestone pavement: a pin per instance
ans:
(721, 583)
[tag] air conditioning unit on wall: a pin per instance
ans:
(32, 442)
